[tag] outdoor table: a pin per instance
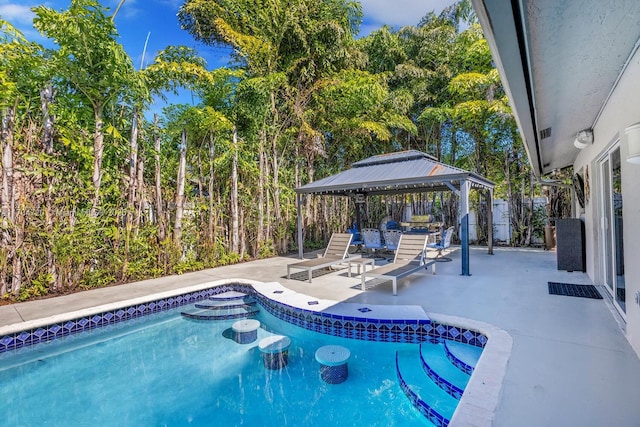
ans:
(360, 262)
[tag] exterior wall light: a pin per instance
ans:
(584, 138)
(633, 143)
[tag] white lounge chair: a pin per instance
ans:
(335, 253)
(409, 258)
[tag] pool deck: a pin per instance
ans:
(570, 363)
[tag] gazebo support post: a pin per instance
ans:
(464, 225)
(358, 215)
(490, 222)
(300, 242)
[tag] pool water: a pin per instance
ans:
(166, 370)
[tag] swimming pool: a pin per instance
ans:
(165, 370)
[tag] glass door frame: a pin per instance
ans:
(607, 229)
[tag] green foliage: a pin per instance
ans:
(304, 98)
(89, 57)
(38, 287)
(188, 263)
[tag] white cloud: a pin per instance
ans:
(18, 15)
(398, 13)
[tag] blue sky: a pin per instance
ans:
(138, 19)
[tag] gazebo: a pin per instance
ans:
(400, 173)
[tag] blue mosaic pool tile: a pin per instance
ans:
(430, 413)
(448, 387)
(23, 337)
(389, 330)
(69, 325)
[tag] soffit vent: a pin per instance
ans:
(545, 133)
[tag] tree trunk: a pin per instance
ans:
(16, 269)
(454, 145)
(6, 195)
(267, 172)
(242, 234)
(133, 165)
(530, 213)
(261, 190)
(47, 96)
(139, 202)
(98, 150)
(160, 218)
(201, 197)
(277, 215)
(507, 174)
(182, 169)
(234, 196)
(211, 223)
(133, 169)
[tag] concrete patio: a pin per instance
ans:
(570, 364)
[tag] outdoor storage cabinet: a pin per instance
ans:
(570, 244)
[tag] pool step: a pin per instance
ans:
(436, 364)
(223, 305)
(432, 401)
(465, 357)
(235, 313)
(220, 313)
(229, 296)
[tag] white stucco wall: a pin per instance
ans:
(621, 111)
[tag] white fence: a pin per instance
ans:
(502, 231)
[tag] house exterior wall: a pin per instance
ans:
(621, 111)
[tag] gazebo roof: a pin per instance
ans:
(394, 173)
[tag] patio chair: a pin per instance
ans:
(409, 259)
(391, 239)
(443, 244)
(335, 253)
(357, 237)
(372, 239)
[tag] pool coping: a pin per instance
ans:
(479, 403)
(267, 289)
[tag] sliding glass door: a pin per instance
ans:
(612, 227)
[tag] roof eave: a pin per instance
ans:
(503, 28)
(435, 183)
